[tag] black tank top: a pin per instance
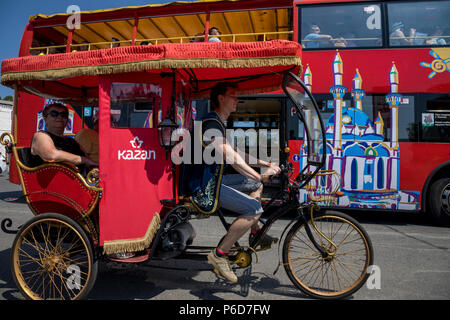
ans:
(61, 143)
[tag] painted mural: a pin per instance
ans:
(367, 161)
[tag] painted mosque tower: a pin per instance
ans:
(369, 165)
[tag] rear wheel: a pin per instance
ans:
(440, 201)
(52, 258)
(341, 273)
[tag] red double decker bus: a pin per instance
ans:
(380, 70)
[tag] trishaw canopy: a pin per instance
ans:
(133, 187)
(74, 77)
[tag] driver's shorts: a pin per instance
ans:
(239, 202)
(240, 183)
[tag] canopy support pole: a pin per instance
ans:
(135, 27)
(69, 40)
(207, 26)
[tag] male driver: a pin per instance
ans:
(52, 146)
(208, 191)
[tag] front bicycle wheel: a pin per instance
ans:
(342, 272)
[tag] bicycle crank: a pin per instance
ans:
(244, 257)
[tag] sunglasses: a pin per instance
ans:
(55, 114)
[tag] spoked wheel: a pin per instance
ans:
(345, 268)
(52, 258)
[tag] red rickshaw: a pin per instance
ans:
(131, 203)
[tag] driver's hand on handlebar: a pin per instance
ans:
(275, 167)
(273, 170)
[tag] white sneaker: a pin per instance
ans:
(222, 265)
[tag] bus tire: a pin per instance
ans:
(440, 201)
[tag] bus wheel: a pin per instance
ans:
(440, 201)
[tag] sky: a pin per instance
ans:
(14, 16)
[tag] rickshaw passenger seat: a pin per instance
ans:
(27, 158)
(31, 161)
(55, 187)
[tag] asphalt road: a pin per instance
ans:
(411, 254)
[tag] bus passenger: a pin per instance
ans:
(199, 37)
(204, 181)
(436, 37)
(315, 39)
(214, 32)
(83, 47)
(340, 42)
(398, 38)
(52, 146)
(115, 42)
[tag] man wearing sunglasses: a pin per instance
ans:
(52, 146)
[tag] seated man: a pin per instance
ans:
(215, 33)
(398, 37)
(209, 192)
(52, 146)
(436, 37)
(315, 39)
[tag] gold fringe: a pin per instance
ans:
(132, 245)
(53, 74)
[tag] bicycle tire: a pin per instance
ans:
(328, 278)
(53, 258)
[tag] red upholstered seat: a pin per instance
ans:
(56, 187)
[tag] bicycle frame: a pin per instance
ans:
(288, 206)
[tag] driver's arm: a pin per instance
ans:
(237, 162)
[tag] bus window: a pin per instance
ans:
(376, 107)
(406, 122)
(133, 105)
(422, 23)
(435, 118)
(341, 26)
(294, 127)
(372, 122)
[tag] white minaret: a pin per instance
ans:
(394, 99)
(357, 92)
(379, 124)
(338, 91)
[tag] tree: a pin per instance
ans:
(8, 98)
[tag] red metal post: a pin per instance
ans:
(69, 40)
(135, 27)
(207, 25)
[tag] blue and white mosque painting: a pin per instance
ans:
(368, 165)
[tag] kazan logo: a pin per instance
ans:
(136, 153)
